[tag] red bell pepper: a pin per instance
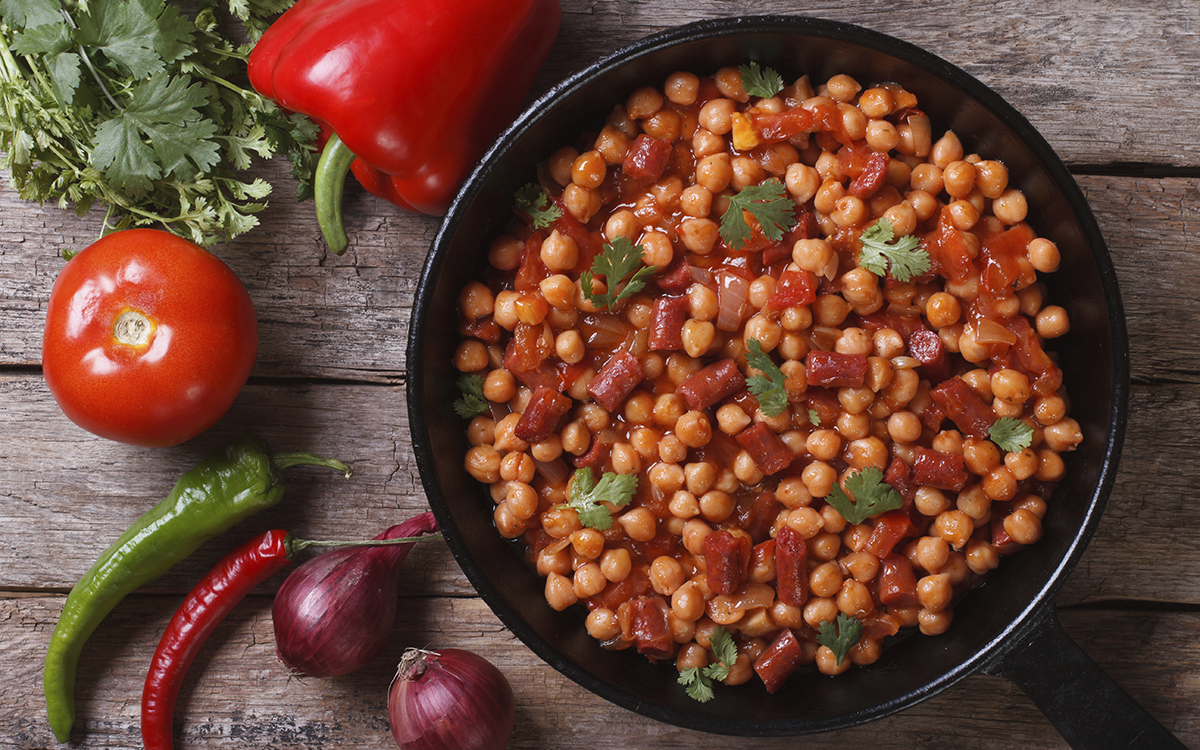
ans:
(409, 92)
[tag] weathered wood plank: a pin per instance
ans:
(329, 317)
(237, 695)
(79, 492)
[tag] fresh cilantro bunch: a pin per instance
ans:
(840, 636)
(872, 496)
(140, 107)
(619, 259)
(1011, 434)
(769, 385)
(769, 203)
(904, 260)
(587, 496)
(699, 681)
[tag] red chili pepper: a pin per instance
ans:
(205, 607)
(410, 91)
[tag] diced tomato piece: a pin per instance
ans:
(871, 177)
(948, 251)
(794, 289)
(532, 270)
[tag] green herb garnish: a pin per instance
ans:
(764, 82)
(699, 681)
(619, 259)
(872, 496)
(533, 200)
(1011, 434)
(848, 631)
(769, 385)
(769, 203)
(472, 402)
(587, 496)
(904, 259)
(136, 106)
(814, 418)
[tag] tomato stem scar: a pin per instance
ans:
(133, 328)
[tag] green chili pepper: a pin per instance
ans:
(229, 485)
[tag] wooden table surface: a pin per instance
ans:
(1112, 86)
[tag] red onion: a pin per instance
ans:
(450, 700)
(335, 612)
(732, 290)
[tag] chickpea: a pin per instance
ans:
(602, 624)
(687, 601)
(825, 580)
(639, 524)
(955, 527)
(717, 506)
(854, 599)
(694, 532)
(560, 592)
(1052, 322)
(483, 463)
(693, 429)
(666, 575)
(616, 564)
(1023, 526)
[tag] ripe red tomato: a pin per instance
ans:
(149, 338)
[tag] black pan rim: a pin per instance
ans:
(1032, 615)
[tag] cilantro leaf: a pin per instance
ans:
(533, 200)
(472, 402)
(587, 496)
(763, 82)
(872, 496)
(1011, 434)
(30, 14)
(814, 418)
(699, 687)
(769, 203)
(904, 259)
(769, 385)
(125, 33)
(842, 639)
(165, 111)
(699, 681)
(619, 259)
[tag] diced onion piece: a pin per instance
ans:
(991, 332)
(732, 290)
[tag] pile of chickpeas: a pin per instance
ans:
(693, 479)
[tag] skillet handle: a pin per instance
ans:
(1087, 707)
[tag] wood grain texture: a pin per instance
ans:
(1111, 85)
(238, 696)
(323, 316)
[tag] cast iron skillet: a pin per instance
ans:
(1008, 627)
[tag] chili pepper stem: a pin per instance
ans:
(328, 183)
(284, 460)
(295, 544)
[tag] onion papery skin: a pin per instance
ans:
(336, 612)
(450, 699)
